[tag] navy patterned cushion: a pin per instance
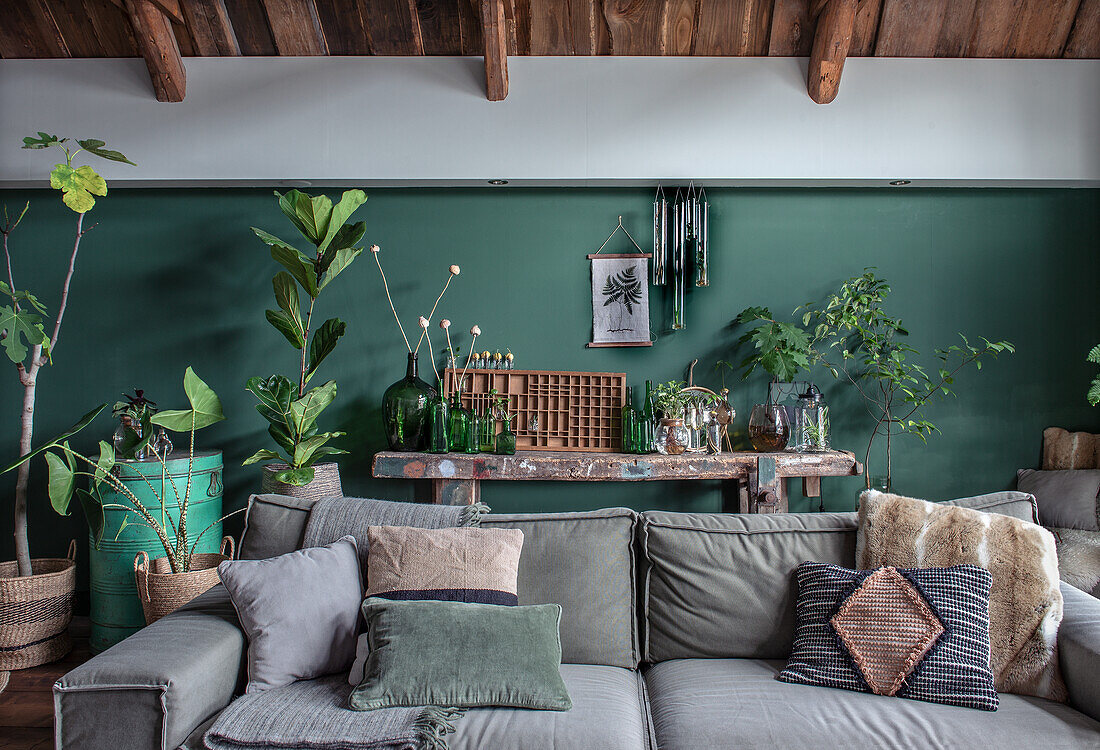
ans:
(919, 634)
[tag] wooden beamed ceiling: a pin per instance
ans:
(828, 31)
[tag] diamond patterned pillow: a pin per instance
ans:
(919, 634)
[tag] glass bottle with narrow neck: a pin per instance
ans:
(439, 424)
(405, 410)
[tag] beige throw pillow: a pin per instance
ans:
(1025, 603)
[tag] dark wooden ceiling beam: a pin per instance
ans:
(494, 32)
(296, 27)
(832, 39)
(211, 28)
(170, 8)
(1084, 37)
(157, 42)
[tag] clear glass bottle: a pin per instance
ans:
(629, 422)
(648, 421)
(473, 436)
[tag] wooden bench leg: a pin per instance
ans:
(456, 491)
(767, 491)
(811, 486)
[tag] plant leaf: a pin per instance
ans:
(24, 329)
(57, 441)
(305, 451)
(300, 268)
(288, 326)
(261, 455)
(296, 477)
(348, 236)
(93, 512)
(350, 201)
(61, 484)
(324, 341)
(206, 407)
(105, 463)
(77, 186)
(94, 146)
(21, 295)
(286, 295)
(308, 213)
(275, 393)
(338, 260)
(44, 140)
(306, 409)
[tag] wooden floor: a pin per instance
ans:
(26, 704)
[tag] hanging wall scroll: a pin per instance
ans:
(620, 296)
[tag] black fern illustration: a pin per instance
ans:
(625, 289)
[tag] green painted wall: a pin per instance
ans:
(174, 277)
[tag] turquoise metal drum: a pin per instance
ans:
(116, 608)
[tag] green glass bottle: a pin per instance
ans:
(487, 431)
(439, 423)
(647, 421)
(630, 421)
(459, 419)
(506, 441)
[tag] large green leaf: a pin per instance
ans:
(274, 393)
(44, 140)
(308, 213)
(338, 216)
(286, 295)
(300, 268)
(305, 452)
(288, 326)
(261, 455)
(61, 483)
(338, 260)
(306, 409)
(22, 295)
(296, 477)
(282, 437)
(57, 441)
(78, 186)
(206, 407)
(24, 329)
(105, 463)
(94, 146)
(93, 512)
(348, 236)
(324, 341)
(270, 239)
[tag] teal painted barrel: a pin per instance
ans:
(116, 608)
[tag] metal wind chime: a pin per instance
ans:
(681, 239)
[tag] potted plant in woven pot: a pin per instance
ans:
(291, 408)
(36, 595)
(181, 574)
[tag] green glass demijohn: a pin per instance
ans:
(405, 411)
(439, 423)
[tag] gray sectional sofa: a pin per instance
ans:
(673, 628)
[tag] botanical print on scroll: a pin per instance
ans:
(620, 300)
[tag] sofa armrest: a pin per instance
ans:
(1079, 649)
(151, 690)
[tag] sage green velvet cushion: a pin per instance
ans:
(436, 653)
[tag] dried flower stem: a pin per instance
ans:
(425, 331)
(469, 356)
(430, 354)
(390, 299)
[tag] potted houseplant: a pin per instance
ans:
(289, 407)
(181, 574)
(854, 338)
(34, 629)
(671, 400)
(782, 350)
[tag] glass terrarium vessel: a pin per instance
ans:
(672, 437)
(811, 429)
(769, 429)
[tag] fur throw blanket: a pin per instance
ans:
(1025, 603)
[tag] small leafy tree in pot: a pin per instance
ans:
(854, 338)
(22, 326)
(290, 409)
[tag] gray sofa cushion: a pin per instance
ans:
(609, 713)
(722, 586)
(1067, 499)
(273, 525)
(1079, 650)
(585, 563)
(738, 703)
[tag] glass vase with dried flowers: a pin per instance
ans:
(405, 404)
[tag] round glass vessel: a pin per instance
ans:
(672, 437)
(769, 429)
(405, 410)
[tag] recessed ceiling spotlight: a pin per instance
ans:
(295, 183)
(899, 183)
(498, 182)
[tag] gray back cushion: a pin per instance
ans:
(273, 525)
(722, 586)
(585, 563)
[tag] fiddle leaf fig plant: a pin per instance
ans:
(28, 340)
(290, 409)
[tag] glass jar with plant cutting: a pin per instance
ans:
(671, 401)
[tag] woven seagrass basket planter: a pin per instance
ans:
(326, 482)
(35, 611)
(161, 591)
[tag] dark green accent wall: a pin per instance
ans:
(174, 277)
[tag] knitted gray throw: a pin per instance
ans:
(313, 714)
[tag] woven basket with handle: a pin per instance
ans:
(161, 591)
(35, 611)
(326, 482)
